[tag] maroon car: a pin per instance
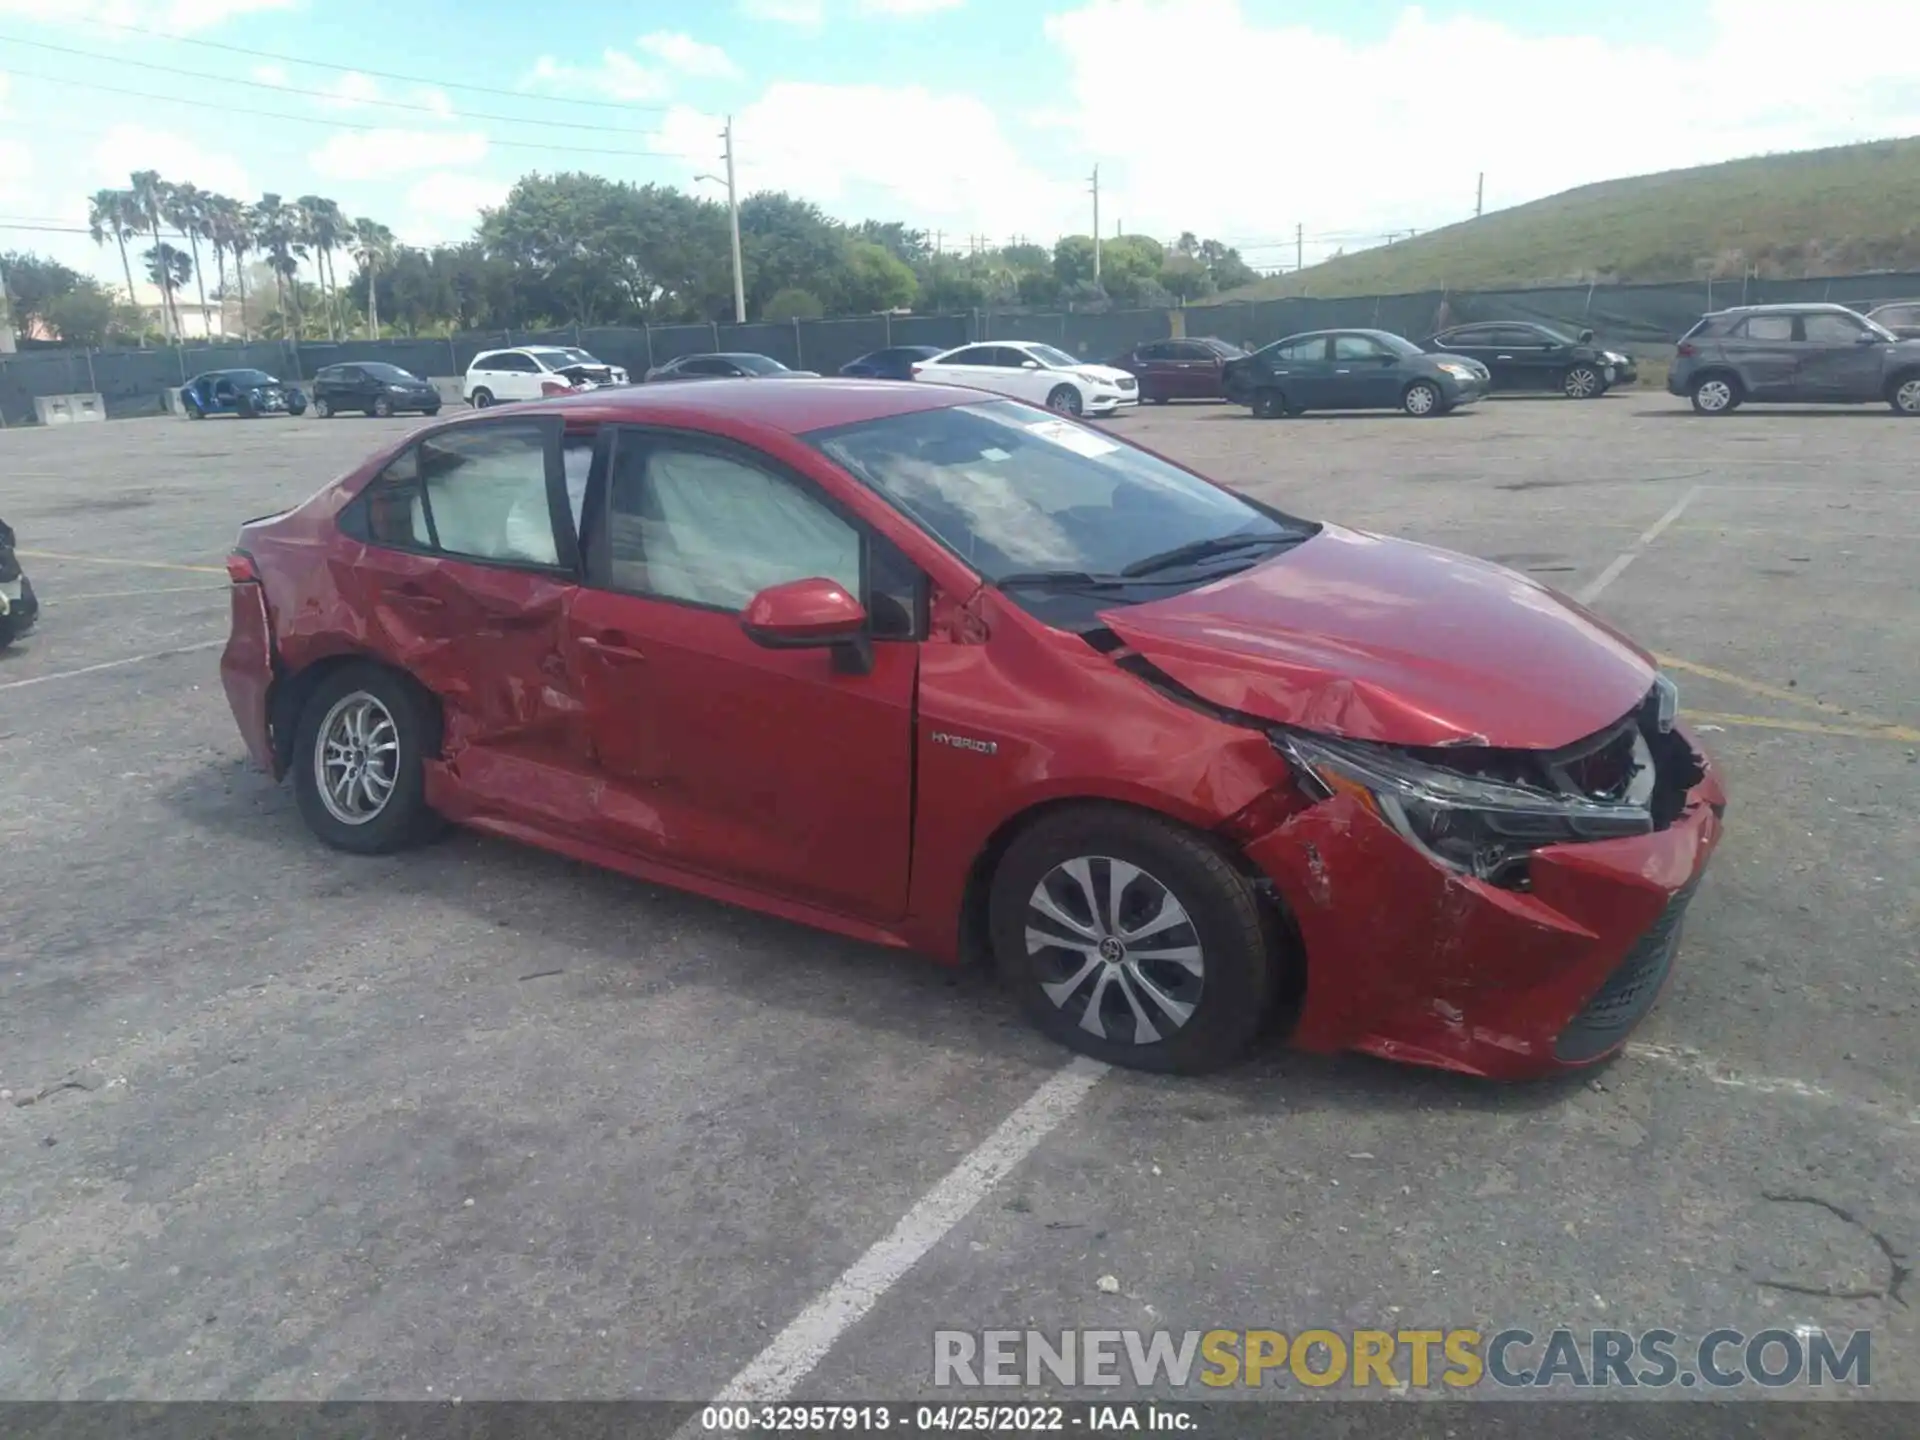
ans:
(1180, 369)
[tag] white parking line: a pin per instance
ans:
(1679, 1057)
(111, 664)
(1587, 594)
(775, 1371)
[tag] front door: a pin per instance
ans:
(1840, 359)
(786, 770)
(1366, 374)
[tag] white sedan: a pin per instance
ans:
(1038, 374)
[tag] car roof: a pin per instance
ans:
(722, 355)
(795, 408)
(1800, 307)
(1891, 304)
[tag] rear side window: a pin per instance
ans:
(972, 355)
(1310, 348)
(1771, 328)
(478, 492)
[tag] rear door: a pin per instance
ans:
(1840, 358)
(1765, 354)
(1475, 342)
(1301, 370)
(786, 770)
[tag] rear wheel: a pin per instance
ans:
(1133, 940)
(1904, 395)
(1269, 404)
(481, 398)
(357, 761)
(382, 408)
(194, 412)
(1422, 398)
(1064, 400)
(1715, 395)
(1582, 382)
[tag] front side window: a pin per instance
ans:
(1014, 492)
(1357, 347)
(1047, 355)
(757, 365)
(703, 526)
(1828, 329)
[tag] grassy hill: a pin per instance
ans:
(1814, 212)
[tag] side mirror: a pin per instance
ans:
(1867, 337)
(815, 614)
(1586, 337)
(1029, 364)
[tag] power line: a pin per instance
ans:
(321, 94)
(225, 108)
(362, 70)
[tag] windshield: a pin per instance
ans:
(1047, 355)
(392, 374)
(556, 358)
(757, 364)
(1877, 328)
(1014, 492)
(1398, 344)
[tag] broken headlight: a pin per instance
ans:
(1481, 824)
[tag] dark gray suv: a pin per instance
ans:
(1794, 354)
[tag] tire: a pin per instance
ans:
(390, 705)
(194, 412)
(243, 407)
(323, 407)
(1583, 382)
(1222, 928)
(1904, 394)
(1270, 404)
(431, 411)
(382, 408)
(481, 398)
(1064, 400)
(1716, 394)
(1423, 400)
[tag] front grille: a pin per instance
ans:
(1630, 991)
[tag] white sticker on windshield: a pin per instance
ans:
(994, 452)
(1072, 437)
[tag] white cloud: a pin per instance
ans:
(16, 170)
(351, 91)
(270, 74)
(908, 7)
(960, 174)
(807, 13)
(434, 98)
(128, 147)
(1406, 143)
(618, 76)
(374, 154)
(180, 16)
(446, 205)
(690, 56)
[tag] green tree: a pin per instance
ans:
(278, 227)
(85, 315)
(877, 279)
(1184, 277)
(792, 304)
(185, 208)
(372, 247)
(150, 196)
(1073, 261)
(111, 212)
(33, 282)
(325, 229)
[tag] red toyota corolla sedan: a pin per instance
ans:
(945, 672)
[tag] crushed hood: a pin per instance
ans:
(1370, 638)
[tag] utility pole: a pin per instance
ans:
(733, 219)
(1300, 247)
(1479, 194)
(1096, 224)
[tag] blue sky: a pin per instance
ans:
(1243, 119)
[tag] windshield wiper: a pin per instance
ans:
(1206, 549)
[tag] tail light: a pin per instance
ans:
(915, 370)
(241, 569)
(555, 387)
(1686, 350)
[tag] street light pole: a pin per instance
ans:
(733, 222)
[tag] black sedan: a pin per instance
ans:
(373, 388)
(19, 607)
(1351, 370)
(706, 367)
(1525, 356)
(896, 362)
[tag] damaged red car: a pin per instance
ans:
(948, 673)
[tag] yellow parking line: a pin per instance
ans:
(1774, 692)
(112, 560)
(1807, 727)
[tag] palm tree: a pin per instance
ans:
(150, 194)
(168, 267)
(242, 225)
(186, 210)
(216, 229)
(281, 237)
(110, 212)
(372, 247)
(325, 228)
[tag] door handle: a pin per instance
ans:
(1503, 357)
(612, 645)
(413, 598)
(1343, 372)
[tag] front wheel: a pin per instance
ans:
(1422, 398)
(357, 761)
(1133, 940)
(323, 407)
(1905, 397)
(382, 408)
(1582, 382)
(194, 412)
(1064, 400)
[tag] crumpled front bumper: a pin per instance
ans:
(1413, 962)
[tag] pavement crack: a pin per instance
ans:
(1898, 1271)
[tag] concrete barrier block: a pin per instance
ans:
(452, 388)
(68, 409)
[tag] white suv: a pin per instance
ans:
(532, 371)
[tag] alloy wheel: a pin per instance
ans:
(1713, 396)
(1582, 383)
(1906, 399)
(1064, 401)
(356, 758)
(1421, 399)
(1114, 948)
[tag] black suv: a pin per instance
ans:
(1794, 354)
(372, 387)
(1523, 356)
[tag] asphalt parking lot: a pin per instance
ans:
(479, 1122)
